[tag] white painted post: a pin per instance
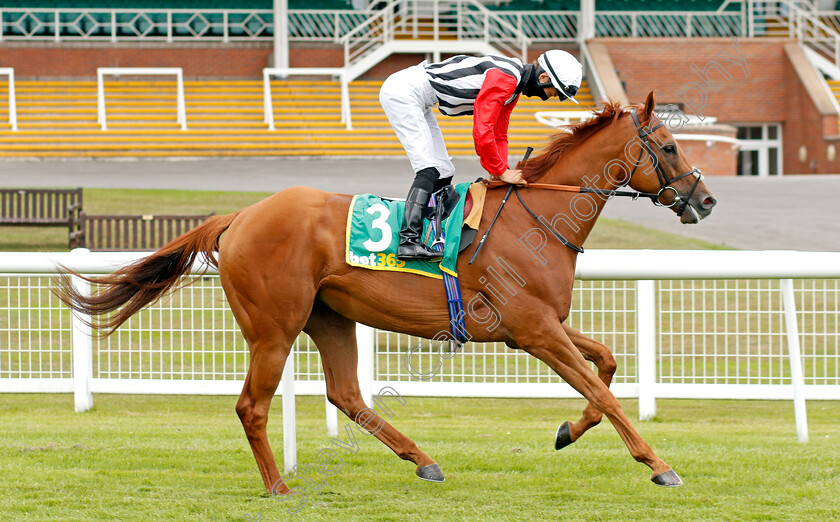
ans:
(100, 99)
(10, 72)
(281, 33)
(332, 418)
(796, 376)
(289, 424)
(345, 102)
(268, 106)
(646, 347)
(82, 350)
(586, 30)
(364, 341)
(182, 103)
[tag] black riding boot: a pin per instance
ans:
(442, 182)
(410, 246)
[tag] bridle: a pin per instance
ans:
(664, 185)
(664, 181)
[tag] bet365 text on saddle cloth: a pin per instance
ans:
(373, 227)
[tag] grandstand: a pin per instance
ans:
(788, 88)
(225, 118)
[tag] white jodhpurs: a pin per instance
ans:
(407, 99)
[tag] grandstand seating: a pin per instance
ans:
(225, 118)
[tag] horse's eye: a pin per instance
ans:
(670, 149)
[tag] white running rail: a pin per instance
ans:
(101, 72)
(10, 72)
(714, 324)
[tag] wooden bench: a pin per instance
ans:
(131, 233)
(41, 207)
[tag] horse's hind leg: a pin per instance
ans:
(269, 330)
(268, 358)
(335, 337)
(599, 354)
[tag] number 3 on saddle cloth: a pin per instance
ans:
(373, 227)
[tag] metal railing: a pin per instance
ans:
(462, 19)
(430, 22)
(683, 324)
(172, 24)
(178, 72)
(669, 24)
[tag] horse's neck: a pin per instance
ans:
(585, 166)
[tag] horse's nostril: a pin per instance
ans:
(709, 202)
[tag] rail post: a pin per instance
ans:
(364, 340)
(795, 354)
(646, 347)
(289, 424)
(82, 347)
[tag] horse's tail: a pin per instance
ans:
(131, 288)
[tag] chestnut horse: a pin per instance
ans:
(282, 266)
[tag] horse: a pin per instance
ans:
(282, 266)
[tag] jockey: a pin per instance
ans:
(487, 87)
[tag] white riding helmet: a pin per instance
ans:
(564, 70)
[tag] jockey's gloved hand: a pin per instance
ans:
(512, 176)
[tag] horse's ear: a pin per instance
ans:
(650, 104)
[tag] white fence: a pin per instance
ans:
(681, 324)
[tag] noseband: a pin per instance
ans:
(664, 181)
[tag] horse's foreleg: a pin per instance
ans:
(335, 337)
(599, 354)
(554, 347)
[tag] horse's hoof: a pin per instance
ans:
(432, 473)
(668, 479)
(564, 436)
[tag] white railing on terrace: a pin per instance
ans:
(669, 24)
(433, 21)
(172, 24)
(791, 19)
(681, 324)
(775, 18)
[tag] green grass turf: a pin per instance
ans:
(186, 458)
(606, 234)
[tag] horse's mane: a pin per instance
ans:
(572, 136)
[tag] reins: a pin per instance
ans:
(664, 183)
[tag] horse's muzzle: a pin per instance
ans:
(699, 206)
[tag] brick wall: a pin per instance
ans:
(206, 60)
(80, 60)
(715, 158)
(805, 128)
(770, 92)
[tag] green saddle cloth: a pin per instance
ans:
(373, 229)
